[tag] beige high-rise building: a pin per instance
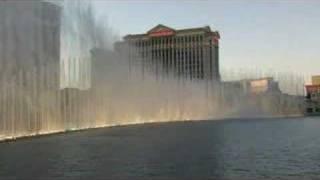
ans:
(192, 53)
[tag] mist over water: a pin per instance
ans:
(99, 87)
(81, 31)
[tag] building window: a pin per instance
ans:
(309, 110)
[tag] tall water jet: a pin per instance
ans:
(122, 90)
(81, 32)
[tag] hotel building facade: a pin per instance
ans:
(192, 53)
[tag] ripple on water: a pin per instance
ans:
(230, 150)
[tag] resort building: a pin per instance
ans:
(313, 96)
(192, 53)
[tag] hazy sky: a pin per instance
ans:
(277, 35)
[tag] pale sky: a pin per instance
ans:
(281, 35)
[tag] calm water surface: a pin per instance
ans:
(230, 149)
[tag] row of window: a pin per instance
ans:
(170, 40)
(313, 96)
(185, 72)
(313, 110)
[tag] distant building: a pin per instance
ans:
(316, 80)
(192, 53)
(260, 95)
(263, 85)
(29, 36)
(253, 86)
(313, 92)
(313, 96)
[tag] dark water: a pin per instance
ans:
(231, 149)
